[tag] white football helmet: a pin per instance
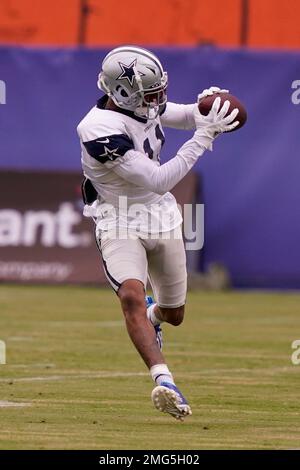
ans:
(135, 80)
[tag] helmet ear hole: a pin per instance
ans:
(123, 93)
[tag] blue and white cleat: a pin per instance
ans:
(157, 328)
(159, 337)
(168, 399)
(149, 301)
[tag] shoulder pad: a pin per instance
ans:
(108, 148)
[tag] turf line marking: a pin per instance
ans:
(98, 375)
(12, 404)
(209, 373)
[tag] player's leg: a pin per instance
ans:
(165, 396)
(168, 277)
(125, 265)
(132, 298)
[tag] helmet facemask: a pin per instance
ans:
(152, 99)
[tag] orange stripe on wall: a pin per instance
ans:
(39, 21)
(275, 23)
(272, 23)
(168, 22)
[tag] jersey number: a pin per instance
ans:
(147, 147)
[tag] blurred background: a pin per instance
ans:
(50, 56)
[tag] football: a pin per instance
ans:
(206, 103)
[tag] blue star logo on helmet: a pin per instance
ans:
(128, 72)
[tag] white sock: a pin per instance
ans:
(151, 315)
(160, 373)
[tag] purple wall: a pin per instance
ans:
(251, 180)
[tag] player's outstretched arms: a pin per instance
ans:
(141, 171)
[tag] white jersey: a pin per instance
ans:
(121, 157)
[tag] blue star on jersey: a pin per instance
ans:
(128, 72)
(110, 154)
(109, 147)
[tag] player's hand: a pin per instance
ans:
(216, 121)
(210, 91)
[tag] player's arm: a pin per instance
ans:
(141, 171)
(178, 116)
(138, 169)
(181, 116)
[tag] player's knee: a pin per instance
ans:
(132, 298)
(174, 316)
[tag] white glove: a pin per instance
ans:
(210, 91)
(216, 122)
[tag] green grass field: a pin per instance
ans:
(80, 384)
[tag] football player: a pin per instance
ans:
(138, 224)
